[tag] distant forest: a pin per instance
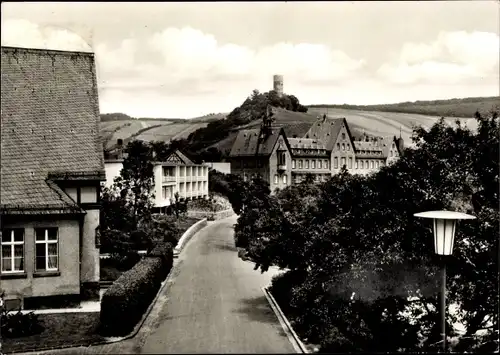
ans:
(466, 107)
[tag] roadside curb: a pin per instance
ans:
(191, 231)
(139, 325)
(285, 324)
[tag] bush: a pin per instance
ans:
(127, 299)
(165, 252)
(125, 261)
(17, 324)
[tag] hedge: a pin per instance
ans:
(125, 302)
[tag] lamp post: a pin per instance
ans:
(444, 223)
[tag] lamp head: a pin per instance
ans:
(444, 223)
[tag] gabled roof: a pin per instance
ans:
(50, 123)
(326, 130)
(297, 129)
(248, 143)
(177, 158)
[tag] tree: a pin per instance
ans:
(137, 180)
(356, 237)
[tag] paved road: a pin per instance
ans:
(212, 304)
(216, 303)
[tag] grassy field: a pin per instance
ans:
(382, 120)
(171, 131)
(464, 107)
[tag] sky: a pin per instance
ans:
(184, 60)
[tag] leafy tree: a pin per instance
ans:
(356, 237)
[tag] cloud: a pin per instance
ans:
(23, 33)
(454, 57)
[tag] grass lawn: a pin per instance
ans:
(64, 329)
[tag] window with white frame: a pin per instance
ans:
(313, 164)
(319, 164)
(46, 245)
(342, 162)
(285, 181)
(343, 146)
(307, 164)
(336, 163)
(294, 163)
(276, 178)
(371, 164)
(357, 164)
(12, 250)
(350, 163)
(300, 164)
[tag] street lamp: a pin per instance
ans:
(444, 223)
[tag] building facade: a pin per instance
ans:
(178, 174)
(52, 167)
(322, 151)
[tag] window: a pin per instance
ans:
(371, 164)
(348, 146)
(342, 162)
(307, 164)
(46, 249)
(300, 164)
(275, 178)
(357, 165)
(336, 163)
(319, 164)
(326, 164)
(281, 158)
(350, 162)
(377, 164)
(338, 146)
(285, 181)
(294, 164)
(366, 164)
(313, 164)
(343, 135)
(343, 146)
(13, 250)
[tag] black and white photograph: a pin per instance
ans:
(250, 177)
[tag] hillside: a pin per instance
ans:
(465, 107)
(216, 133)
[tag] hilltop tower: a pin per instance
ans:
(278, 84)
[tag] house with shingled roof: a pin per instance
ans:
(320, 148)
(52, 167)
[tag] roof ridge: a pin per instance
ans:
(45, 50)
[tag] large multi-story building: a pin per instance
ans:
(178, 174)
(322, 151)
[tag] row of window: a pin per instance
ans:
(46, 250)
(168, 191)
(186, 170)
(359, 164)
(304, 164)
(344, 146)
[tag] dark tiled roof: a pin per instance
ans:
(297, 129)
(184, 158)
(306, 143)
(247, 142)
(326, 130)
(374, 149)
(50, 122)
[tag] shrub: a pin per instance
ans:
(127, 299)
(17, 324)
(125, 261)
(165, 252)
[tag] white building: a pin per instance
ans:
(177, 174)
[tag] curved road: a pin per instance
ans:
(213, 303)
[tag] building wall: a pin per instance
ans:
(368, 165)
(90, 250)
(112, 170)
(339, 152)
(304, 165)
(273, 167)
(247, 167)
(66, 280)
(224, 168)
